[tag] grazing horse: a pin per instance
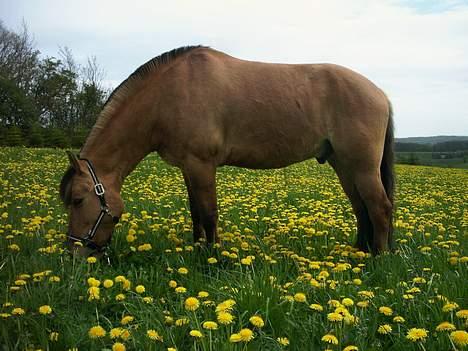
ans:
(200, 109)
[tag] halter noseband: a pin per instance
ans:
(87, 240)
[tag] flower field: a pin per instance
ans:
(284, 278)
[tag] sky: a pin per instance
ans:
(416, 51)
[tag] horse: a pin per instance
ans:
(200, 109)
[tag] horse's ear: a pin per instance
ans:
(74, 162)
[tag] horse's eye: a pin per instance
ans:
(77, 202)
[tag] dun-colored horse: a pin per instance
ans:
(200, 109)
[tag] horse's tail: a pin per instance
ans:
(387, 171)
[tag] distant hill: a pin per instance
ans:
(432, 139)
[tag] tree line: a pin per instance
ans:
(46, 101)
(446, 146)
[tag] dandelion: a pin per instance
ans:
(416, 334)
(449, 307)
(140, 289)
(203, 294)
(196, 333)
(181, 321)
(210, 325)
(351, 348)
(463, 314)
(330, 339)
(172, 284)
(283, 341)
(300, 297)
(334, 317)
(93, 282)
(148, 299)
(91, 259)
(398, 319)
(46, 309)
(316, 307)
(257, 321)
(108, 283)
(386, 310)
(96, 332)
(126, 320)
(235, 337)
(154, 335)
(347, 302)
(212, 260)
(180, 290)
(115, 333)
(18, 311)
(118, 346)
(459, 337)
(192, 304)
(246, 335)
(445, 326)
(53, 336)
(384, 329)
(225, 318)
(182, 270)
(119, 297)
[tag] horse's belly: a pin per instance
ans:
(271, 154)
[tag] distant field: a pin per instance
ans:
(425, 158)
(285, 277)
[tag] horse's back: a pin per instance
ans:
(266, 115)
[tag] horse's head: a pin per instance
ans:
(94, 207)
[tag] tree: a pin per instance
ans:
(16, 108)
(18, 57)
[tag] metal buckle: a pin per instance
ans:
(99, 189)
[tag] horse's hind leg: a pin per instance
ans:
(364, 225)
(201, 179)
(369, 185)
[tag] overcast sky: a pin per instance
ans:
(416, 51)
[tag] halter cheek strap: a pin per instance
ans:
(99, 190)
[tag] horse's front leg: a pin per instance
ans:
(198, 231)
(201, 181)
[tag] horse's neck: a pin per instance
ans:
(116, 151)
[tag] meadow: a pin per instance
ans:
(285, 277)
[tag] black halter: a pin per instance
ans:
(87, 240)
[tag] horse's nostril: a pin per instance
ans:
(115, 219)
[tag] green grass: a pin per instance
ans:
(295, 222)
(425, 159)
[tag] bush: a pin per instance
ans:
(14, 136)
(56, 138)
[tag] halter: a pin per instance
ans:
(87, 240)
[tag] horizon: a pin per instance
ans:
(415, 51)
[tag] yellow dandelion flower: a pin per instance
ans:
(330, 339)
(463, 314)
(235, 338)
(384, 329)
(154, 335)
(210, 325)
(334, 317)
(416, 334)
(140, 289)
(203, 294)
(398, 319)
(180, 290)
(108, 283)
(316, 307)
(445, 326)
(91, 259)
(46, 309)
(283, 341)
(18, 311)
(347, 302)
(126, 320)
(212, 260)
(300, 297)
(120, 297)
(351, 348)
(386, 310)
(196, 333)
(118, 346)
(459, 338)
(96, 332)
(225, 318)
(246, 335)
(182, 270)
(191, 303)
(257, 321)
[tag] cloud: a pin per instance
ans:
(416, 51)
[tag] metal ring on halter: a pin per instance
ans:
(99, 190)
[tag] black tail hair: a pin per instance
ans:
(387, 171)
